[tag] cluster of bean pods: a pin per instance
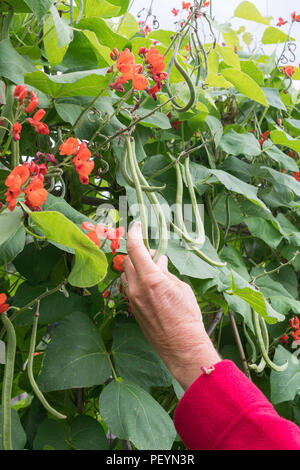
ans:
(138, 181)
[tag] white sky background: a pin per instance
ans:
(223, 12)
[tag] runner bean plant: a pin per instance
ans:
(104, 119)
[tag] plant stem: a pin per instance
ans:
(239, 343)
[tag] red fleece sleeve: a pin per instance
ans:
(226, 411)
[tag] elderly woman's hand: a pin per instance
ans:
(167, 311)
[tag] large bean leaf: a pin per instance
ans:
(90, 262)
(76, 356)
(131, 413)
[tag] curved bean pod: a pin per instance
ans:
(128, 179)
(32, 381)
(260, 331)
(139, 193)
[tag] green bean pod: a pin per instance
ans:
(181, 229)
(186, 78)
(261, 333)
(32, 381)
(190, 183)
(160, 216)
(251, 343)
(214, 223)
(139, 193)
(8, 383)
(128, 179)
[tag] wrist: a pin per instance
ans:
(189, 368)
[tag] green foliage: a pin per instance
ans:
(236, 115)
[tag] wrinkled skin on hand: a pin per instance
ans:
(167, 311)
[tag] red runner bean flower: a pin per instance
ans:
(20, 92)
(39, 126)
(186, 6)
(281, 22)
(288, 70)
(175, 12)
(33, 103)
(264, 137)
(284, 339)
(69, 147)
(16, 129)
(36, 195)
(101, 230)
(296, 175)
(295, 17)
(3, 305)
(118, 263)
(17, 177)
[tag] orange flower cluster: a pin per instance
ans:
(35, 194)
(125, 63)
(3, 305)
(101, 230)
(81, 161)
(288, 70)
(295, 325)
(129, 70)
(30, 103)
(156, 62)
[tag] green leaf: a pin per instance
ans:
(245, 85)
(240, 144)
(77, 347)
(87, 83)
(50, 436)
(287, 181)
(273, 98)
(53, 308)
(236, 185)
(285, 385)
(131, 413)
(250, 68)
(135, 359)
(129, 26)
(157, 119)
(18, 433)
(12, 65)
(188, 263)
(105, 35)
(216, 128)
(248, 11)
(54, 52)
(35, 263)
(10, 222)
(59, 204)
(281, 138)
(63, 31)
(13, 246)
(229, 56)
(90, 262)
(264, 230)
(257, 301)
(87, 434)
(280, 157)
(274, 35)
(39, 8)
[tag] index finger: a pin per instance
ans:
(137, 252)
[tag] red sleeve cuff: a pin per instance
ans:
(225, 410)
